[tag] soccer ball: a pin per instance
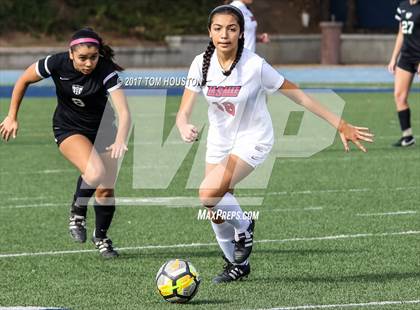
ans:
(177, 281)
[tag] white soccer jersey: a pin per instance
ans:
(250, 25)
(237, 109)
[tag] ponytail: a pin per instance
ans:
(108, 53)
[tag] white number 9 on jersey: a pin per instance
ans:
(78, 102)
(407, 26)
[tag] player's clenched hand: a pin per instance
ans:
(9, 128)
(354, 134)
(117, 149)
(188, 133)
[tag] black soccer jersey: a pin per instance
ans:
(409, 17)
(81, 98)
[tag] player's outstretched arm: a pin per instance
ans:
(189, 132)
(119, 147)
(9, 126)
(347, 132)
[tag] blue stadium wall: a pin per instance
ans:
(371, 14)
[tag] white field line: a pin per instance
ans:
(169, 202)
(388, 213)
(185, 201)
(309, 160)
(180, 202)
(47, 134)
(31, 308)
(353, 305)
(411, 232)
(296, 209)
(157, 200)
(29, 198)
(347, 190)
(279, 193)
(36, 205)
(196, 245)
(46, 171)
(279, 161)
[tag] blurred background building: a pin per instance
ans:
(360, 16)
(158, 33)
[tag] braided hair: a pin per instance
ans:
(241, 44)
(223, 9)
(104, 50)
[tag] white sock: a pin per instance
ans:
(408, 132)
(234, 214)
(225, 236)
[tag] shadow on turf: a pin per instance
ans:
(374, 277)
(169, 254)
(305, 252)
(208, 302)
(159, 254)
(197, 302)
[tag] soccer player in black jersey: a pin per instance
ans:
(405, 64)
(83, 126)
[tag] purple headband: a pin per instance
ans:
(84, 40)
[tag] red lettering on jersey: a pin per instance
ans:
(229, 107)
(223, 91)
(219, 106)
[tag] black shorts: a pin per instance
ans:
(100, 139)
(407, 64)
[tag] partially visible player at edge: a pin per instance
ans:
(404, 64)
(250, 23)
(234, 82)
(83, 77)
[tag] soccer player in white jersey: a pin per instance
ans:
(250, 32)
(234, 82)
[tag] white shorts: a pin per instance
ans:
(253, 154)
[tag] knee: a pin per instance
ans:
(94, 176)
(105, 196)
(210, 197)
(400, 97)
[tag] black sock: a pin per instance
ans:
(104, 215)
(81, 198)
(405, 119)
